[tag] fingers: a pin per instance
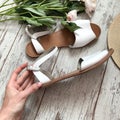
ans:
(24, 77)
(20, 68)
(30, 83)
(27, 83)
(16, 72)
(31, 89)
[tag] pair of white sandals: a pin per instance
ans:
(64, 38)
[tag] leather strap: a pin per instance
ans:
(38, 47)
(45, 56)
(41, 75)
(82, 23)
(90, 60)
(84, 35)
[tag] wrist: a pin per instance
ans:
(6, 114)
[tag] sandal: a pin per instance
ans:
(84, 64)
(41, 41)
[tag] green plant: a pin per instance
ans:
(39, 12)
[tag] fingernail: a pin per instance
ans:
(39, 84)
(25, 62)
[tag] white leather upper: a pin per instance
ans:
(41, 77)
(84, 35)
(91, 60)
(36, 66)
(38, 47)
(87, 62)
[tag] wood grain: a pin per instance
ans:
(91, 96)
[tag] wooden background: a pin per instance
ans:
(94, 95)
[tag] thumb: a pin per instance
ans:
(33, 88)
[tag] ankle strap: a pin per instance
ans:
(41, 75)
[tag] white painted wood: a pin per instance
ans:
(73, 98)
(78, 98)
(15, 56)
(108, 105)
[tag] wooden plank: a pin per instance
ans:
(7, 42)
(108, 107)
(74, 98)
(7, 38)
(8, 35)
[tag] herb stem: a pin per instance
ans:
(10, 19)
(7, 5)
(7, 10)
(4, 3)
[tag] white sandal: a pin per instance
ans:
(45, 40)
(84, 64)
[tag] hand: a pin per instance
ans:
(17, 91)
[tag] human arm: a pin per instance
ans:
(17, 91)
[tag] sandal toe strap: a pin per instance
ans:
(88, 61)
(43, 76)
(84, 34)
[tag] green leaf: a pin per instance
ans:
(35, 11)
(31, 21)
(75, 5)
(41, 12)
(69, 25)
